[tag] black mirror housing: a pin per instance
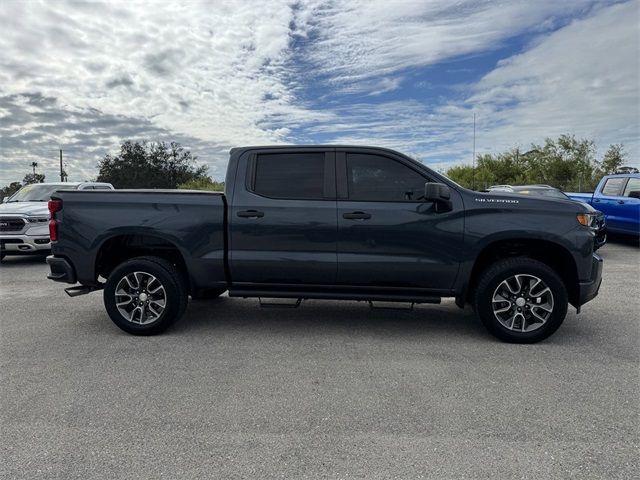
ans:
(634, 194)
(436, 192)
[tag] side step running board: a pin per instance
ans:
(357, 296)
(391, 306)
(264, 304)
(80, 290)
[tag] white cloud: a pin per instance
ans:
(583, 79)
(360, 39)
(212, 71)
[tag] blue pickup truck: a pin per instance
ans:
(618, 197)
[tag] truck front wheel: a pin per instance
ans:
(145, 295)
(521, 300)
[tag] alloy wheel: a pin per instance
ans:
(522, 303)
(140, 298)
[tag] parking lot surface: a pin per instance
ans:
(330, 389)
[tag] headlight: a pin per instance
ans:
(587, 219)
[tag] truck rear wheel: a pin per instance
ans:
(521, 300)
(145, 295)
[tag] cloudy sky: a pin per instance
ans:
(82, 76)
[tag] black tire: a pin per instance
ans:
(208, 294)
(502, 270)
(174, 291)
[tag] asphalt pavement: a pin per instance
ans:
(328, 390)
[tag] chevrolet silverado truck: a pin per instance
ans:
(328, 222)
(24, 217)
(618, 197)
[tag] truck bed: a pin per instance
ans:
(94, 224)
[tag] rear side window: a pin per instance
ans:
(101, 187)
(382, 179)
(613, 186)
(290, 175)
(633, 185)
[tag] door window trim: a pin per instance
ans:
(328, 181)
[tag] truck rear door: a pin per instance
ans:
(629, 216)
(609, 199)
(283, 218)
(387, 236)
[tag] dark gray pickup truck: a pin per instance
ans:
(328, 222)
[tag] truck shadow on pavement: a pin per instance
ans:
(22, 260)
(327, 318)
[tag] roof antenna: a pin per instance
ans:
(473, 159)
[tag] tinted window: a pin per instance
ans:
(377, 178)
(101, 187)
(290, 175)
(633, 185)
(612, 186)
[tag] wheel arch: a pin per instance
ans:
(122, 246)
(551, 253)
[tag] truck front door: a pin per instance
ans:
(283, 218)
(388, 236)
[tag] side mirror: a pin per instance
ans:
(436, 192)
(634, 194)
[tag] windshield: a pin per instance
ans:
(37, 192)
(543, 192)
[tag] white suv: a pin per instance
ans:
(24, 217)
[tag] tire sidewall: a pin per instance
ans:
(496, 275)
(172, 308)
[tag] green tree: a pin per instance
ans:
(203, 184)
(150, 165)
(613, 159)
(566, 163)
(33, 178)
(10, 189)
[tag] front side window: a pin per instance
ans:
(290, 175)
(382, 179)
(633, 185)
(612, 187)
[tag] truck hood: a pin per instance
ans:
(39, 209)
(531, 202)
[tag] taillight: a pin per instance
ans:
(54, 206)
(53, 230)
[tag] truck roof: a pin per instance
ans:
(319, 145)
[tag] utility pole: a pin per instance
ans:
(61, 171)
(473, 159)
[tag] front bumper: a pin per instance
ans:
(24, 244)
(61, 270)
(589, 289)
